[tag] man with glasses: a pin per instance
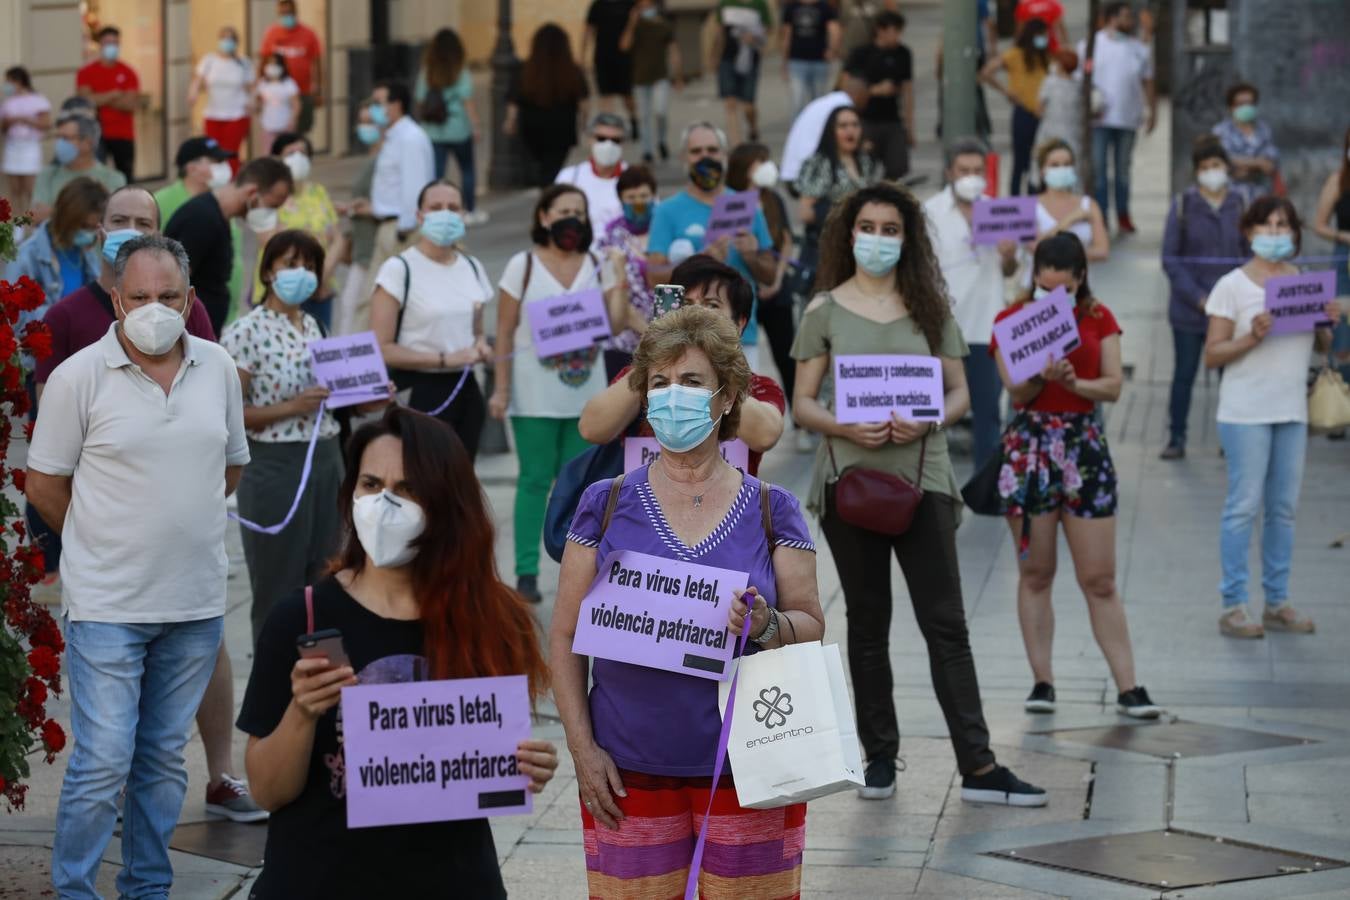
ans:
(598, 175)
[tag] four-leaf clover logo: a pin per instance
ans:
(773, 707)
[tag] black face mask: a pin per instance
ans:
(569, 234)
(706, 174)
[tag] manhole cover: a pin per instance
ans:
(220, 839)
(1167, 859)
(1176, 739)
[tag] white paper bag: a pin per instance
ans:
(793, 736)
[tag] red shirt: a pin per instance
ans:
(83, 316)
(99, 77)
(1093, 328)
(762, 388)
(1048, 11)
(299, 46)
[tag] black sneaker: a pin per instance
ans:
(1041, 699)
(1003, 788)
(1137, 704)
(1173, 451)
(634, 125)
(528, 587)
(878, 780)
(665, 151)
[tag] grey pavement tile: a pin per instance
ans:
(1326, 813)
(1207, 789)
(944, 884)
(850, 881)
(1129, 792)
(864, 857)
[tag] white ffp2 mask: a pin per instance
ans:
(386, 526)
(154, 328)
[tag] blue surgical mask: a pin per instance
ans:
(379, 114)
(85, 237)
(367, 133)
(65, 151)
(680, 416)
(1273, 247)
(110, 52)
(227, 45)
(294, 286)
(1059, 178)
(288, 21)
(1040, 42)
(876, 254)
(1245, 113)
(114, 241)
(443, 227)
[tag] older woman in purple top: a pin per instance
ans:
(645, 740)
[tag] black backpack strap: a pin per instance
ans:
(612, 503)
(407, 286)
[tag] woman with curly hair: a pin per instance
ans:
(880, 300)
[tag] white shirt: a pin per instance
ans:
(974, 274)
(442, 299)
(228, 80)
(1120, 65)
(144, 538)
(1269, 383)
(804, 136)
(405, 166)
(602, 195)
(276, 103)
(556, 388)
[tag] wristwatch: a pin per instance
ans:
(769, 630)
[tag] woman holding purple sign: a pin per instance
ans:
(270, 347)
(1263, 419)
(887, 296)
(411, 595)
(645, 740)
(1056, 469)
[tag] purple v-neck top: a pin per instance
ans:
(650, 720)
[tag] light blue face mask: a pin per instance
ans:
(65, 151)
(114, 241)
(680, 416)
(367, 133)
(443, 227)
(295, 286)
(379, 114)
(227, 46)
(85, 237)
(1040, 42)
(876, 254)
(1059, 178)
(288, 21)
(1273, 247)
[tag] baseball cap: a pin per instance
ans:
(197, 147)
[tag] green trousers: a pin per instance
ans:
(542, 446)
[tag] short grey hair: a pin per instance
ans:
(609, 119)
(88, 125)
(690, 129)
(151, 242)
(968, 146)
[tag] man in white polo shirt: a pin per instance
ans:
(974, 276)
(598, 175)
(138, 443)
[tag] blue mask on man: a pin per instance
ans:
(367, 133)
(379, 114)
(680, 416)
(65, 151)
(114, 241)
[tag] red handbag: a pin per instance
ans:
(875, 500)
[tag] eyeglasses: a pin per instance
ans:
(608, 139)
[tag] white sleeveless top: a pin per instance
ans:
(1046, 222)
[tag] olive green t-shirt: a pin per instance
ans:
(829, 329)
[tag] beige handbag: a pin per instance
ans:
(1329, 401)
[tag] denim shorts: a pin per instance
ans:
(733, 84)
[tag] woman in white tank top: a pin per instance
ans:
(1062, 208)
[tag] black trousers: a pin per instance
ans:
(927, 555)
(890, 145)
(775, 322)
(123, 155)
(465, 415)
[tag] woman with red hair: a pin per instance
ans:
(416, 596)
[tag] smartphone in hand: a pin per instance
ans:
(668, 297)
(323, 644)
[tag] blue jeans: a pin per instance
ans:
(985, 389)
(1120, 142)
(468, 180)
(134, 689)
(1024, 125)
(1265, 471)
(1188, 347)
(653, 104)
(808, 79)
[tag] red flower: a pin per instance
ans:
(46, 634)
(37, 340)
(7, 344)
(53, 738)
(37, 691)
(46, 664)
(5, 213)
(29, 294)
(19, 475)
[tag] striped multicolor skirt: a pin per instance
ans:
(751, 854)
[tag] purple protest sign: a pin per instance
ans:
(1042, 330)
(568, 322)
(659, 613)
(642, 451)
(870, 388)
(351, 367)
(434, 751)
(1298, 303)
(732, 212)
(1004, 219)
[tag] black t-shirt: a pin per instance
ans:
(609, 18)
(879, 64)
(201, 227)
(809, 36)
(310, 852)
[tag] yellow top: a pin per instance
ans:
(1023, 83)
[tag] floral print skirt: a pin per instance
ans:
(1056, 461)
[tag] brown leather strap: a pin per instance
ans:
(611, 504)
(766, 513)
(309, 608)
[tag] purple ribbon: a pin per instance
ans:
(463, 377)
(691, 886)
(1237, 260)
(299, 492)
